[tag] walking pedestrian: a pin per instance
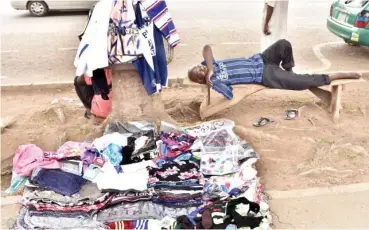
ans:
(274, 24)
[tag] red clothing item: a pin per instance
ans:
(99, 106)
(121, 225)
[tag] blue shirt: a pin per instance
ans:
(236, 71)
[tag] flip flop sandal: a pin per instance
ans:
(291, 114)
(262, 121)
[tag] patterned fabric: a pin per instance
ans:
(236, 71)
(121, 225)
(206, 128)
(29, 219)
(175, 144)
(131, 196)
(125, 37)
(219, 163)
(52, 207)
(158, 12)
(140, 210)
(181, 173)
(141, 224)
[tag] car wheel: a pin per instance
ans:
(351, 43)
(38, 8)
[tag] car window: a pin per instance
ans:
(356, 3)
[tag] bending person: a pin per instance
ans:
(272, 68)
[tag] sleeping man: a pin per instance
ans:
(272, 68)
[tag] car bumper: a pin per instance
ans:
(19, 5)
(348, 32)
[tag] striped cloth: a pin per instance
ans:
(236, 71)
(158, 12)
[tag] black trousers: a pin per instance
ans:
(84, 92)
(281, 54)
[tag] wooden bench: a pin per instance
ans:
(211, 106)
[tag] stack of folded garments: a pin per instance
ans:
(177, 184)
(200, 177)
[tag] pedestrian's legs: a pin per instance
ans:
(277, 78)
(279, 53)
(85, 92)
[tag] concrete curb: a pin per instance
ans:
(172, 82)
(63, 85)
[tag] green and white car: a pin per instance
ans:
(349, 20)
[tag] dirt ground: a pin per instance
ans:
(309, 151)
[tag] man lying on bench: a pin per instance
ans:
(263, 69)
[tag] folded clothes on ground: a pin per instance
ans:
(139, 210)
(200, 177)
(40, 206)
(134, 176)
(175, 174)
(58, 181)
(88, 195)
(29, 219)
(131, 196)
(136, 129)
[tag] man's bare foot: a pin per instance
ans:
(349, 75)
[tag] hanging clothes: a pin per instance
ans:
(126, 39)
(92, 50)
(153, 79)
(159, 14)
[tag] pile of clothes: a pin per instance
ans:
(137, 176)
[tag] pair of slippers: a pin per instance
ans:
(290, 115)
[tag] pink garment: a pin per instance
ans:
(29, 157)
(99, 106)
(71, 149)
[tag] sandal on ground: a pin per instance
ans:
(262, 121)
(291, 114)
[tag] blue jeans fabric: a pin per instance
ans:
(58, 181)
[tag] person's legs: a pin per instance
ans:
(275, 77)
(280, 53)
(85, 92)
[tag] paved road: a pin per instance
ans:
(36, 50)
(341, 207)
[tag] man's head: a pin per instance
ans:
(198, 74)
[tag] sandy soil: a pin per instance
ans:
(306, 152)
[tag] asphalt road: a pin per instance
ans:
(35, 50)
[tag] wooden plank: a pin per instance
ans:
(324, 95)
(346, 81)
(334, 91)
(221, 103)
(337, 106)
(210, 106)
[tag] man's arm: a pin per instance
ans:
(269, 13)
(207, 53)
(224, 89)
